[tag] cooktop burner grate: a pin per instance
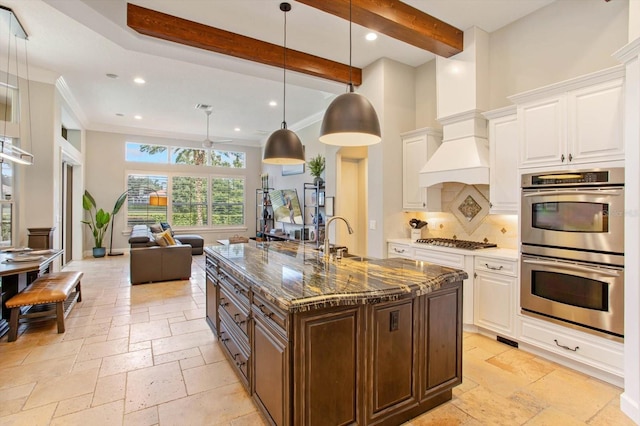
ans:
(461, 244)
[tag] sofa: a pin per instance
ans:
(153, 264)
(142, 236)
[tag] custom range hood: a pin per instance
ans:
(463, 155)
(462, 94)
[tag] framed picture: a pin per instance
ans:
(295, 169)
(328, 206)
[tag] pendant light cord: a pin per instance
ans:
(6, 87)
(284, 76)
(350, 48)
(26, 60)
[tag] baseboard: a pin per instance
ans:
(630, 407)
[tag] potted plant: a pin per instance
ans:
(98, 223)
(316, 167)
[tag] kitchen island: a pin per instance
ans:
(351, 341)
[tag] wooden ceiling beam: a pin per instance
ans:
(171, 28)
(397, 20)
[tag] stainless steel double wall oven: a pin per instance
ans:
(572, 263)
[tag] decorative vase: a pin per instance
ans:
(318, 181)
(99, 251)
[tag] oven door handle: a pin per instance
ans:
(614, 192)
(611, 273)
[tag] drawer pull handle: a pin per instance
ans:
(266, 314)
(235, 319)
(493, 268)
(240, 364)
(223, 304)
(398, 251)
(566, 347)
(224, 339)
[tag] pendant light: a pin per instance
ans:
(284, 146)
(350, 120)
(9, 151)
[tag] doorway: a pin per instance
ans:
(67, 212)
(351, 198)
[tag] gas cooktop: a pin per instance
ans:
(455, 243)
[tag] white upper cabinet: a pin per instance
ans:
(417, 147)
(504, 186)
(574, 122)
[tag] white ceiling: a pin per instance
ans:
(83, 40)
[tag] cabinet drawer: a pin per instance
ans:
(498, 266)
(271, 315)
(594, 351)
(399, 250)
(235, 286)
(443, 258)
(239, 357)
(237, 313)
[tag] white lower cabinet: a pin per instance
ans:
(495, 284)
(400, 250)
(591, 354)
(457, 261)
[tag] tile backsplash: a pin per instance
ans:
(499, 229)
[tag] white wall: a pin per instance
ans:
(566, 39)
(106, 180)
(426, 105)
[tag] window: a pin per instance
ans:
(235, 160)
(227, 201)
(144, 153)
(194, 157)
(189, 201)
(6, 205)
(147, 200)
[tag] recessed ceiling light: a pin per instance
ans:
(119, 114)
(273, 103)
(371, 36)
(139, 80)
(114, 76)
(237, 129)
(137, 117)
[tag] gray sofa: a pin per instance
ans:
(152, 264)
(142, 237)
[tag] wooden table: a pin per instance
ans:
(16, 276)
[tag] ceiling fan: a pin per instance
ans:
(208, 143)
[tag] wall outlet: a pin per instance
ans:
(372, 224)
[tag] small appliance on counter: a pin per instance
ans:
(416, 229)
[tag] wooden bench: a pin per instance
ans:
(50, 289)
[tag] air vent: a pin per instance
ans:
(204, 107)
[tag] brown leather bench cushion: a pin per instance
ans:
(49, 288)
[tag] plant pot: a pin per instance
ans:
(99, 251)
(318, 181)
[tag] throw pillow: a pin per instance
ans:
(165, 239)
(165, 226)
(156, 228)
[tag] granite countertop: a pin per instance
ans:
(296, 278)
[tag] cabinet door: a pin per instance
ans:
(504, 188)
(328, 354)
(392, 357)
(416, 150)
(441, 341)
(494, 303)
(212, 305)
(271, 373)
(595, 123)
(542, 132)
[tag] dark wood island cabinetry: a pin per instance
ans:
(333, 343)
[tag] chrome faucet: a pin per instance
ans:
(326, 233)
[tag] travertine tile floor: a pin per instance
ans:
(143, 355)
